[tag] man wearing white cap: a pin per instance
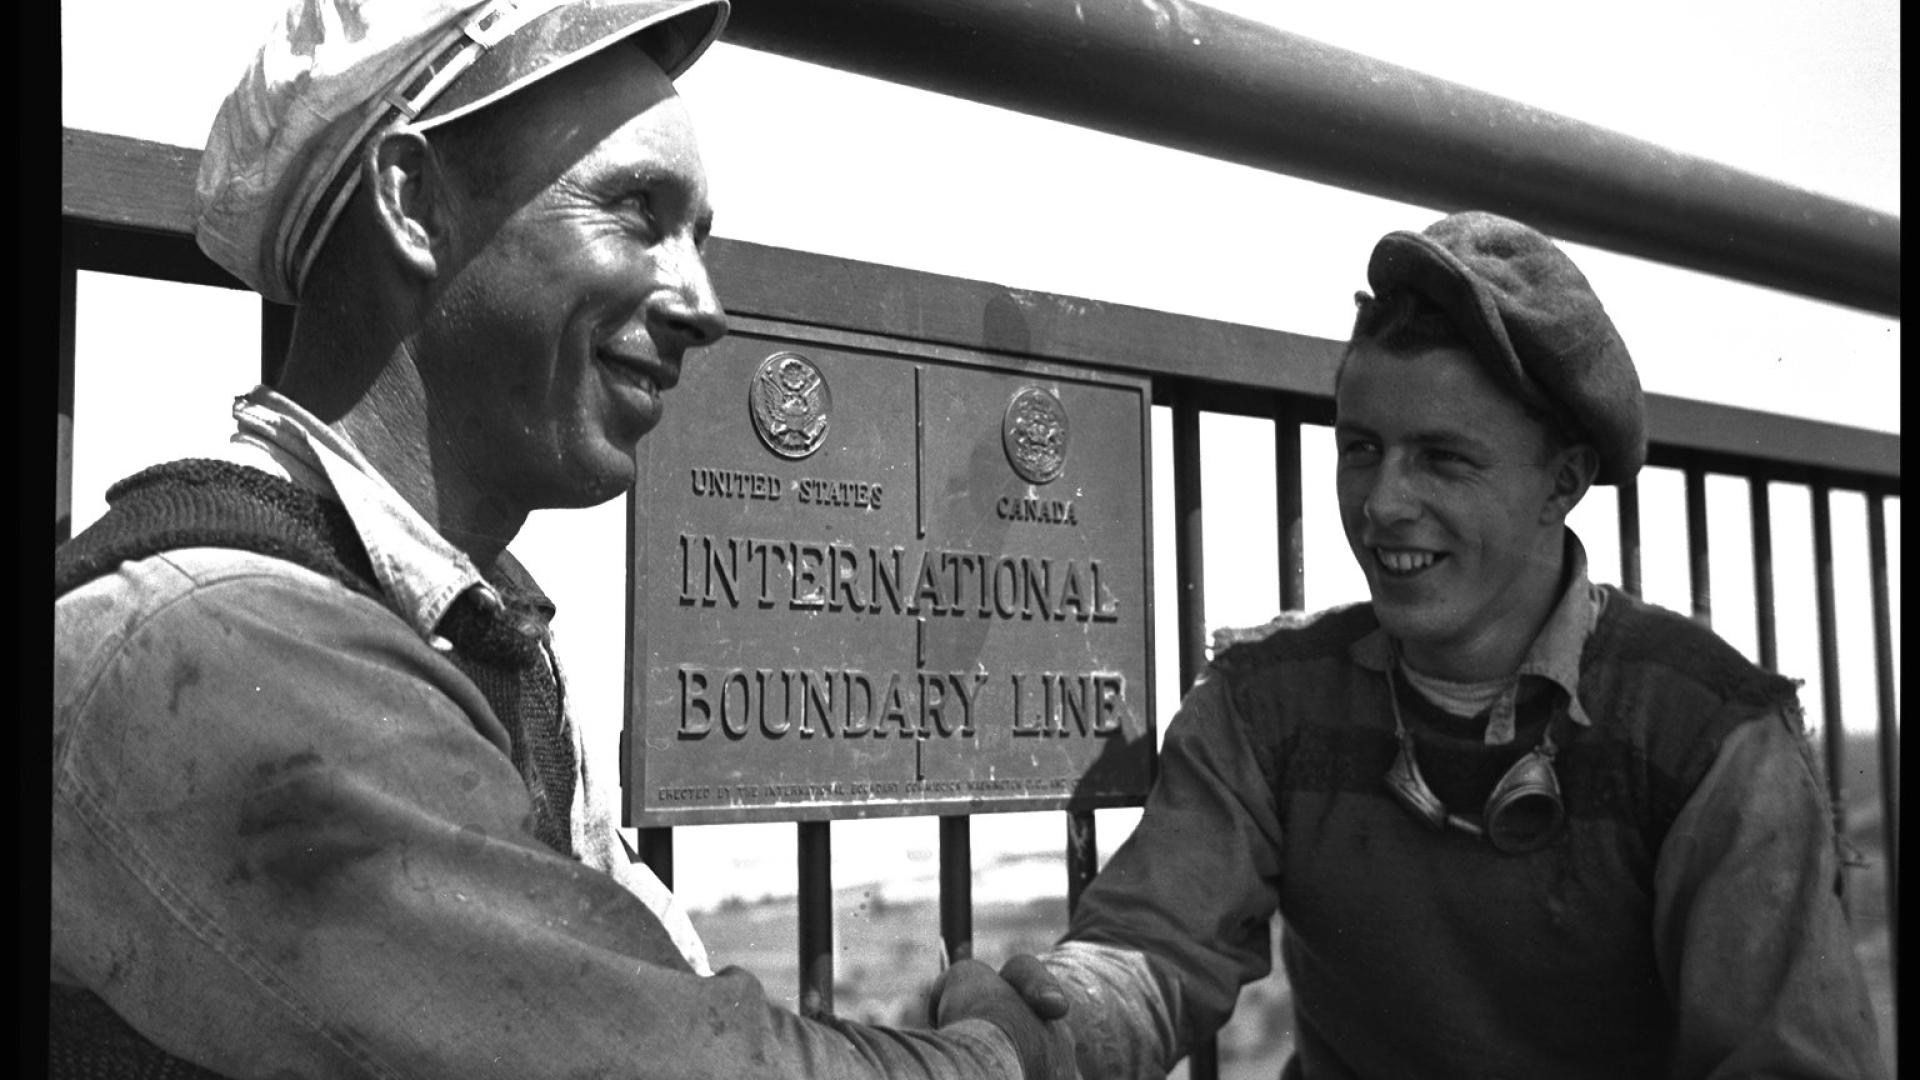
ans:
(318, 807)
(1514, 823)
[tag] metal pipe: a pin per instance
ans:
(1761, 507)
(1833, 734)
(1083, 856)
(1203, 1060)
(1699, 568)
(1184, 75)
(814, 849)
(1889, 727)
(656, 850)
(956, 886)
(276, 334)
(1287, 504)
(1189, 540)
(1629, 502)
(63, 405)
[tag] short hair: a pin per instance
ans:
(1405, 322)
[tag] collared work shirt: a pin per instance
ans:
(421, 574)
(285, 845)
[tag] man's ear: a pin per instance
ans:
(1573, 474)
(410, 199)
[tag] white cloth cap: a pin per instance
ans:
(280, 160)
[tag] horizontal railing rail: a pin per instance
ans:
(127, 203)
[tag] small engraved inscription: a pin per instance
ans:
(1044, 511)
(711, 483)
(1035, 434)
(790, 404)
(815, 491)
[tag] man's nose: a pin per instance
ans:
(687, 308)
(1393, 496)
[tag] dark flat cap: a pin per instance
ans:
(1532, 319)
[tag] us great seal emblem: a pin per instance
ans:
(789, 402)
(1035, 434)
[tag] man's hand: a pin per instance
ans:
(1023, 1000)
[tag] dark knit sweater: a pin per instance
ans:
(1503, 964)
(210, 503)
(1419, 953)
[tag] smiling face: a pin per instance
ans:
(574, 282)
(1448, 495)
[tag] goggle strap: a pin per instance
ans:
(1410, 788)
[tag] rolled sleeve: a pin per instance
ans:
(1191, 894)
(287, 841)
(1749, 931)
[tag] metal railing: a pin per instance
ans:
(125, 209)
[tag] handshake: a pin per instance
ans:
(1024, 1000)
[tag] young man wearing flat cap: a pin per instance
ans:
(1514, 823)
(318, 808)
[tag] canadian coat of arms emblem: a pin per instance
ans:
(789, 402)
(1035, 434)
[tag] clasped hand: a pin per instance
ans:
(1023, 1000)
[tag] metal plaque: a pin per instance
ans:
(892, 584)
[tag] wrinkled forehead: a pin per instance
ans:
(625, 71)
(617, 110)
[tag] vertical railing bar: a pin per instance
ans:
(1189, 538)
(1203, 1060)
(1834, 734)
(956, 885)
(1699, 569)
(655, 846)
(1083, 856)
(815, 901)
(1889, 729)
(1629, 501)
(1761, 509)
(276, 334)
(1287, 503)
(63, 403)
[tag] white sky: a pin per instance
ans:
(1805, 91)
